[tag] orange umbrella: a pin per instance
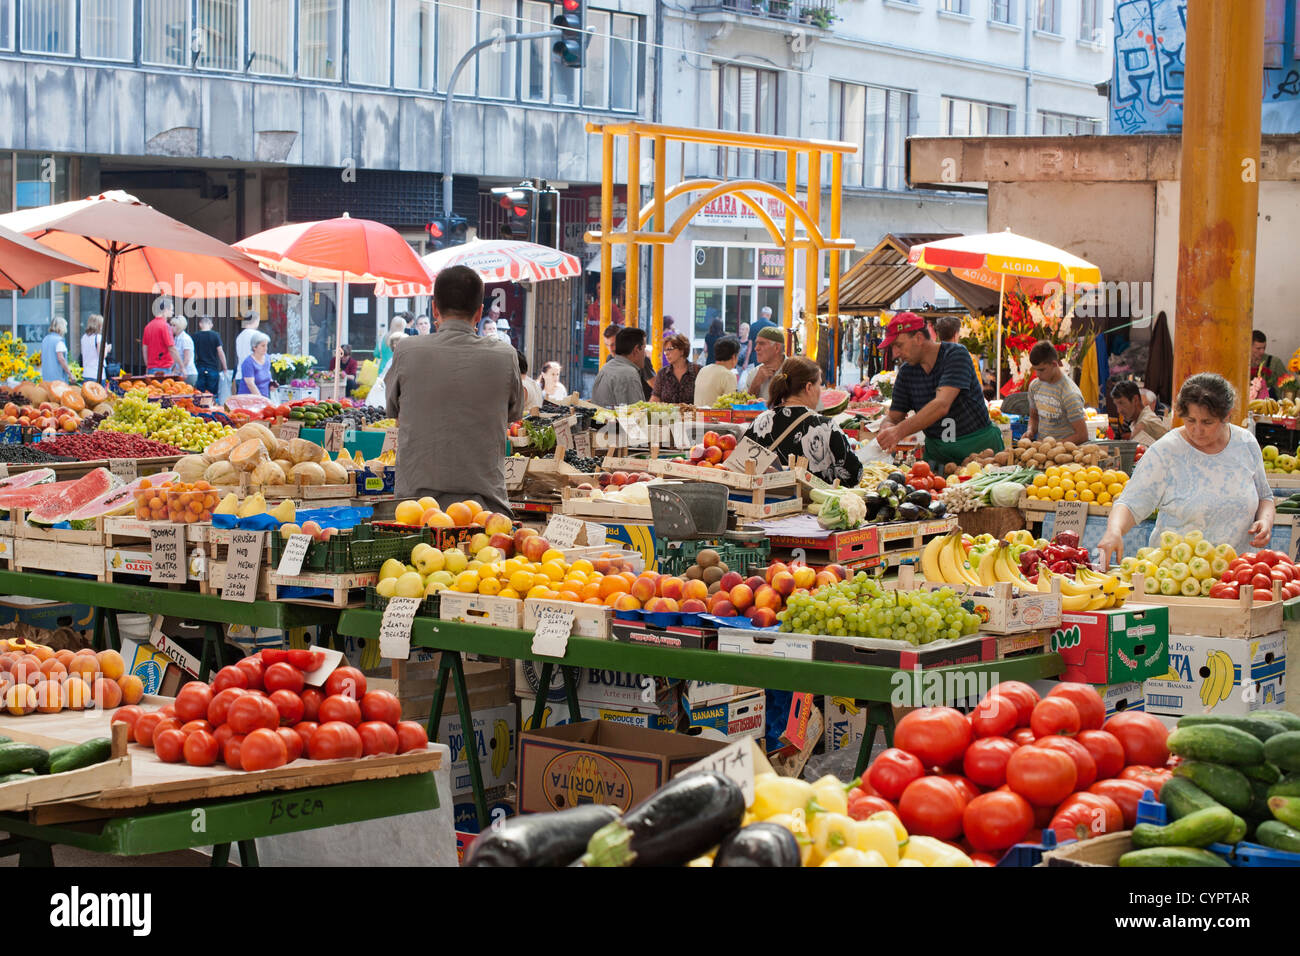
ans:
(25, 263)
(339, 250)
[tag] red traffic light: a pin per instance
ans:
(434, 229)
(572, 6)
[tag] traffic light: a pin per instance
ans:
(570, 48)
(449, 231)
(548, 211)
(518, 222)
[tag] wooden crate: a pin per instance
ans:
(902, 542)
(92, 536)
(1215, 617)
(840, 547)
(30, 554)
(1283, 481)
(22, 795)
(130, 564)
(344, 590)
(481, 609)
(588, 620)
(736, 480)
(584, 507)
(1035, 508)
(6, 551)
(654, 466)
(1001, 608)
(414, 684)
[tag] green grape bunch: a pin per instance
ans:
(860, 607)
(136, 416)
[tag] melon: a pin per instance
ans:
(116, 502)
(80, 493)
(34, 477)
(834, 401)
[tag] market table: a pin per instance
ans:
(107, 598)
(876, 685)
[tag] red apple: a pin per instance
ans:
(505, 542)
(727, 442)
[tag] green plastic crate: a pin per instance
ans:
(675, 557)
(428, 607)
(362, 548)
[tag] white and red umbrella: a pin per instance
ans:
(496, 260)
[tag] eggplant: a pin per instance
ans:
(886, 512)
(684, 818)
(920, 498)
(540, 839)
(759, 844)
(874, 503)
(886, 488)
(897, 477)
(938, 509)
(909, 512)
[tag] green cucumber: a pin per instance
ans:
(1238, 832)
(1279, 836)
(1181, 797)
(1284, 751)
(11, 777)
(1288, 720)
(6, 740)
(1225, 784)
(1218, 743)
(1288, 786)
(1263, 772)
(1201, 828)
(1171, 856)
(1286, 809)
(1260, 729)
(17, 757)
(1258, 808)
(82, 755)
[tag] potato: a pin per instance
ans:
(1063, 457)
(1023, 443)
(1000, 458)
(950, 469)
(1040, 460)
(1070, 446)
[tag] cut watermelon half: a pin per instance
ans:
(115, 502)
(81, 492)
(27, 478)
(31, 496)
(834, 401)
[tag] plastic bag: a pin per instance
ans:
(223, 387)
(871, 452)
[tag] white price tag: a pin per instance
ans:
(735, 762)
(551, 639)
(289, 430)
(4, 470)
(748, 450)
(516, 468)
(124, 468)
(243, 566)
(390, 440)
(582, 444)
(596, 534)
(1071, 516)
(395, 628)
(563, 432)
(166, 548)
(562, 531)
(334, 437)
(294, 552)
(205, 400)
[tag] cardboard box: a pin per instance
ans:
(154, 668)
(608, 688)
(846, 725)
(600, 762)
(415, 682)
(1116, 697)
(47, 615)
(1220, 675)
(905, 656)
(494, 738)
(663, 716)
(733, 640)
(744, 715)
(634, 537)
(1115, 646)
(696, 693)
(690, 638)
(465, 815)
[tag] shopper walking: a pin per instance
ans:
(158, 343)
(718, 379)
(255, 371)
(675, 383)
(54, 352)
(619, 380)
(186, 369)
(92, 340)
(209, 357)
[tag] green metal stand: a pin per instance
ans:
(543, 692)
(879, 714)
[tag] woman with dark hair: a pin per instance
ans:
(1206, 476)
(791, 425)
(675, 382)
(714, 333)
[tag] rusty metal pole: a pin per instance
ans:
(1219, 193)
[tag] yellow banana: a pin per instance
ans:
(1225, 681)
(988, 567)
(1007, 570)
(930, 566)
(1096, 603)
(1206, 683)
(848, 703)
(1107, 582)
(965, 574)
(1069, 588)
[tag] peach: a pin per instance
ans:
(754, 582)
(710, 439)
(727, 442)
(111, 664)
(767, 596)
(497, 524)
(41, 652)
(824, 578)
(54, 670)
(132, 689)
(742, 596)
(713, 455)
(107, 693)
(662, 605)
(694, 606)
(503, 542)
(673, 588)
(536, 546)
(838, 570)
(697, 453)
(312, 528)
(49, 697)
(9, 658)
(724, 608)
(804, 576)
(644, 587)
(695, 589)
(20, 699)
(85, 665)
(762, 616)
(626, 602)
(730, 580)
(783, 583)
(76, 693)
(773, 570)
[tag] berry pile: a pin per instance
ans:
(585, 465)
(859, 607)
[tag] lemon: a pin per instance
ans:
(540, 590)
(509, 593)
(489, 555)
(521, 581)
(489, 586)
(1040, 481)
(1054, 481)
(552, 555)
(1103, 498)
(1071, 495)
(466, 582)
(1114, 488)
(1053, 472)
(488, 571)
(1067, 484)
(553, 570)
(1087, 495)
(583, 565)
(1056, 494)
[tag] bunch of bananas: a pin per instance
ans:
(945, 561)
(500, 745)
(1218, 685)
(1088, 591)
(1286, 408)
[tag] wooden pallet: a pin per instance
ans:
(30, 554)
(343, 590)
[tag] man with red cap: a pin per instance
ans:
(938, 383)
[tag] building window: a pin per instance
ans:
(414, 53)
(106, 29)
(165, 29)
(734, 283)
(370, 24)
(270, 37)
(6, 24)
(320, 39)
(878, 121)
(40, 181)
(455, 36)
(219, 35)
(1049, 16)
(746, 102)
(1276, 48)
(49, 26)
(595, 72)
(496, 67)
(955, 6)
(1002, 11)
(622, 62)
(536, 67)
(1062, 124)
(1090, 30)
(968, 118)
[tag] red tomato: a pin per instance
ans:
(311, 698)
(192, 701)
(1085, 768)
(1141, 735)
(168, 711)
(377, 737)
(168, 744)
(998, 820)
(1228, 591)
(304, 730)
(128, 715)
(1125, 793)
(253, 670)
(985, 761)
(1043, 777)
(1025, 698)
(293, 744)
(307, 660)
(230, 676)
(1243, 575)
(220, 706)
(230, 751)
(381, 705)
(1261, 567)
(966, 788)
(282, 676)
(933, 807)
(338, 707)
(921, 469)
(346, 681)
(144, 727)
(1086, 815)
(273, 655)
(891, 772)
(1022, 737)
(861, 804)
(201, 749)
(1107, 752)
(995, 716)
(333, 740)
(289, 706)
(1086, 700)
(1054, 715)
(1261, 582)
(263, 750)
(192, 726)
(1150, 778)
(249, 713)
(222, 733)
(411, 735)
(936, 735)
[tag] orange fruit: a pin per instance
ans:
(573, 596)
(591, 592)
(474, 507)
(612, 599)
(612, 584)
(593, 600)
(460, 514)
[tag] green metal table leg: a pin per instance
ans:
(221, 854)
(36, 853)
(97, 636)
(439, 696)
(471, 741)
(571, 693)
(212, 639)
(114, 638)
(248, 853)
(879, 715)
(543, 691)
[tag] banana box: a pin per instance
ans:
(494, 738)
(1116, 697)
(47, 615)
(846, 725)
(696, 693)
(663, 715)
(742, 716)
(616, 689)
(1220, 675)
(1113, 646)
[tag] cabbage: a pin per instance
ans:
(842, 512)
(1005, 494)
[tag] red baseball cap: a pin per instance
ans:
(902, 322)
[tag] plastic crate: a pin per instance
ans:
(327, 557)
(1019, 425)
(674, 557)
(1120, 452)
(368, 483)
(1151, 810)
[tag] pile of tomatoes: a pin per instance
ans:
(1015, 766)
(259, 714)
(921, 478)
(1259, 569)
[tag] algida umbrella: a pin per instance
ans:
(495, 260)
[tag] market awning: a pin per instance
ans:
(877, 280)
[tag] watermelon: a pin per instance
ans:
(115, 502)
(81, 492)
(834, 401)
(27, 478)
(32, 495)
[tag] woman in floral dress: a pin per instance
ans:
(791, 425)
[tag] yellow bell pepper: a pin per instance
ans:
(799, 828)
(931, 852)
(774, 794)
(830, 795)
(849, 856)
(831, 832)
(877, 835)
(906, 862)
(900, 831)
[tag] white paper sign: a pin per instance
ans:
(749, 450)
(166, 548)
(1071, 516)
(243, 566)
(563, 432)
(597, 534)
(390, 440)
(562, 531)
(181, 657)
(395, 628)
(294, 552)
(516, 468)
(123, 468)
(334, 437)
(735, 762)
(551, 639)
(289, 430)
(582, 444)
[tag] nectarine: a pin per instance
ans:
(742, 596)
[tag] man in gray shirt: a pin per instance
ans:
(460, 392)
(619, 381)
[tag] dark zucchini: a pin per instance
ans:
(759, 844)
(540, 839)
(11, 777)
(684, 818)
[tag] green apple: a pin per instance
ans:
(387, 587)
(440, 577)
(1270, 452)
(392, 568)
(427, 559)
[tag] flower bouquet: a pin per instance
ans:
(286, 368)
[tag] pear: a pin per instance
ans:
(229, 505)
(285, 511)
(387, 587)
